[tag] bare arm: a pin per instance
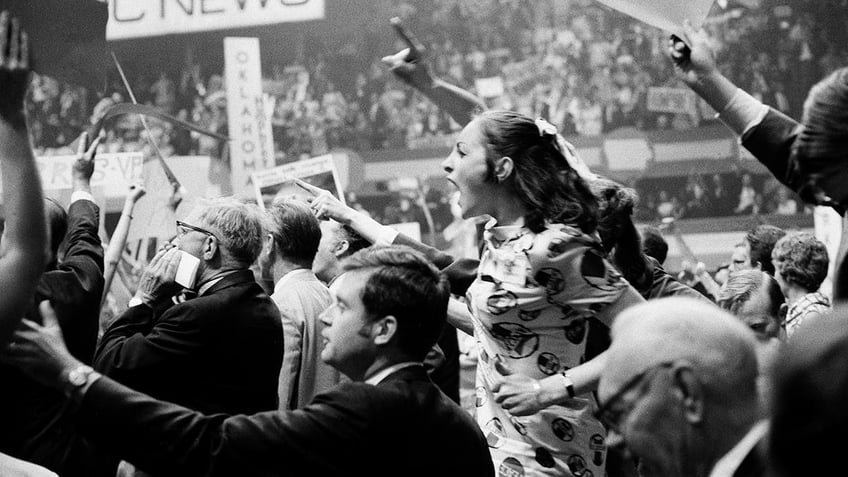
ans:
(459, 317)
(119, 238)
(24, 239)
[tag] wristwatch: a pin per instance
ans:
(78, 379)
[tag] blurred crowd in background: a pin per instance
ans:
(584, 67)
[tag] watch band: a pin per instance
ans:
(78, 379)
(569, 384)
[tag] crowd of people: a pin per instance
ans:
(311, 338)
(584, 67)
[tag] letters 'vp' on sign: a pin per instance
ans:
(138, 18)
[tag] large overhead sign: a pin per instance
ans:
(139, 18)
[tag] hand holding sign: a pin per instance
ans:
(692, 55)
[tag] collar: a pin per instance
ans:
(379, 376)
(503, 233)
(814, 298)
(294, 275)
(730, 462)
(212, 281)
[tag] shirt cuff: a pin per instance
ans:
(743, 112)
(81, 195)
(387, 236)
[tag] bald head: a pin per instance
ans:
(716, 345)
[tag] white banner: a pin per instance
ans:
(251, 143)
(139, 18)
(153, 217)
(277, 182)
(113, 173)
(667, 15)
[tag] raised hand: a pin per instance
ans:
(325, 205)
(14, 69)
(83, 167)
(692, 55)
(406, 64)
(137, 191)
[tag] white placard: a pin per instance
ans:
(277, 182)
(141, 18)
(492, 87)
(251, 142)
(153, 218)
(666, 15)
(113, 173)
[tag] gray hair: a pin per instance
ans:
(239, 226)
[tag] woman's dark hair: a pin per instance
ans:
(542, 178)
(618, 233)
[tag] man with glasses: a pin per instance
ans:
(218, 352)
(679, 393)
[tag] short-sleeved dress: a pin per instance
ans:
(530, 304)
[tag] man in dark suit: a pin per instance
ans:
(218, 352)
(388, 309)
(679, 393)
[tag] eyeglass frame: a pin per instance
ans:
(181, 224)
(605, 413)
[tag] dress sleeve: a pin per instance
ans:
(576, 275)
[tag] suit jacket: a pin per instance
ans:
(219, 352)
(402, 426)
(301, 298)
(771, 143)
(754, 464)
(76, 285)
(36, 427)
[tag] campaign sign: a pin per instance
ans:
(276, 183)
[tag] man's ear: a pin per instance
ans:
(384, 330)
(503, 168)
(210, 247)
(690, 392)
(342, 248)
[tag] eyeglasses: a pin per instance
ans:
(611, 415)
(184, 228)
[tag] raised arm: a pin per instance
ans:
(768, 134)
(119, 237)
(461, 105)
(23, 249)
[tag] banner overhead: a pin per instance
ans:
(140, 18)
